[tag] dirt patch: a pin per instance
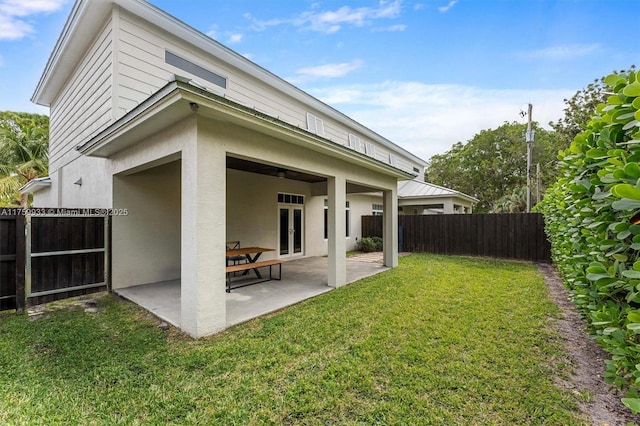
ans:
(596, 398)
(88, 302)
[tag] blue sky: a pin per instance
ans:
(423, 73)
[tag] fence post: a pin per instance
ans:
(20, 263)
(107, 252)
(27, 260)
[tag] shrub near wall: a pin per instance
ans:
(591, 219)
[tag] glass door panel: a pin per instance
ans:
(284, 231)
(297, 230)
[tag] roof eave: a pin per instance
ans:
(35, 185)
(423, 197)
(200, 101)
(76, 35)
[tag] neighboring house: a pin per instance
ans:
(418, 197)
(192, 145)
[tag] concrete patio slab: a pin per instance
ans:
(301, 279)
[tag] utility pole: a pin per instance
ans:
(538, 183)
(529, 139)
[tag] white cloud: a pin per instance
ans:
(561, 52)
(235, 38)
(392, 28)
(326, 71)
(445, 9)
(429, 119)
(332, 21)
(13, 29)
(213, 32)
(15, 14)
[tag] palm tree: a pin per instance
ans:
(24, 156)
(516, 202)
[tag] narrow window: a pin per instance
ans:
(193, 69)
(290, 198)
(326, 219)
(348, 219)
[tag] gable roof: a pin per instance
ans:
(419, 189)
(88, 15)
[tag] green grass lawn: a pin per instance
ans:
(439, 340)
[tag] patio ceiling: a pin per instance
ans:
(266, 169)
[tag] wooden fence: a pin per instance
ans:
(509, 236)
(11, 259)
(51, 254)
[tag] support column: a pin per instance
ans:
(203, 297)
(448, 206)
(337, 188)
(390, 228)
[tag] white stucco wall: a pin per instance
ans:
(133, 169)
(252, 208)
(252, 212)
(146, 240)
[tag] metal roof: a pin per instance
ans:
(419, 189)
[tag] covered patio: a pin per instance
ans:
(301, 279)
(219, 172)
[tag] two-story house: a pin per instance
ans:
(192, 145)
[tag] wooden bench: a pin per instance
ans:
(249, 266)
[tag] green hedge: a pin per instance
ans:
(369, 244)
(590, 219)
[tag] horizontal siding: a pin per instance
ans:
(83, 107)
(142, 71)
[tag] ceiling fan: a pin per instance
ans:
(282, 173)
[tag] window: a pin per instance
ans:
(393, 160)
(377, 209)
(370, 149)
(290, 198)
(315, 125)
(354, 142)
(326, 219)
(348, 220)
(193, 69)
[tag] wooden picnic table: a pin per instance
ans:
(251, 261)
(247, 253)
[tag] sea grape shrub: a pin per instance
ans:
(592, 220)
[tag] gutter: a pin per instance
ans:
(180, 88)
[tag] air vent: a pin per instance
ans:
(370, 149)
(354, 142)
(315, 125)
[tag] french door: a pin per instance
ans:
(290, 231)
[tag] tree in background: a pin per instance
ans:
(515, 202)
(493, 164)
(24, 144)
(580, 109)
